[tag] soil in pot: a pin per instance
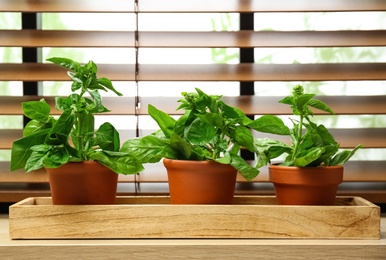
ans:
(82, 183)
(200, 182)
(306, 185)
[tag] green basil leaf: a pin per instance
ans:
(302, 101)
(77, 81)
(228, 111)
(183, 122)
(234, 148)
(56, 139)
(21, 148)
(148, 149)
(288, 101)
(64, 124)
(107, 83)
(325, 157)
(268, 149)
(119, 162)
(310, 140)
(182, 148)
(318, 136)
(49, 163)
(325, 135)
(91, 67)
(320, 105)
(76, 85)
(88, 82)
(62, 103)
(226, 159)
(212, 119)
(37, 110)
(243, 137)
(36, 126)
(200, 133)
(56, 157)
(66, 63)
(35, 161)
(247, 171)
(342, 157)
(306, 157)
(164, 121)
(270, 124)
(107, 137)
(96, 105)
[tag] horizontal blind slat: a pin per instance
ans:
(192, 6)
(11, 105)
(264, 72)
(65, 38)
(243, 39)
(251, 105)
(260, 6)
(87, 6)
(51, 72)
(255, 105)
(271, 39)
(206, 72)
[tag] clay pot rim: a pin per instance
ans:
(296, 168)
(314, 176)
(191, 161)
(82, 162)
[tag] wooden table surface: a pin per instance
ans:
(191, 248)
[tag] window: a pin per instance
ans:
(252, 52)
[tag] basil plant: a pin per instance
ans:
(311, 144)
(51, 142)
(209, 129)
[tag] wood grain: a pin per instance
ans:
(191, 248)
(154, 217)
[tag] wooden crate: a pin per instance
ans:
(155, 217)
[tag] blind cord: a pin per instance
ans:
(136, 68)
(136, 75)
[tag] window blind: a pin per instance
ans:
(364, 175)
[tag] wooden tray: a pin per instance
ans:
(155, 217)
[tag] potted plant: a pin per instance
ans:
(200, 149)
(82, 162)
(313, 166)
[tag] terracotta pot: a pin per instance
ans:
(200, 182)
(82, 183)
(306, 185)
